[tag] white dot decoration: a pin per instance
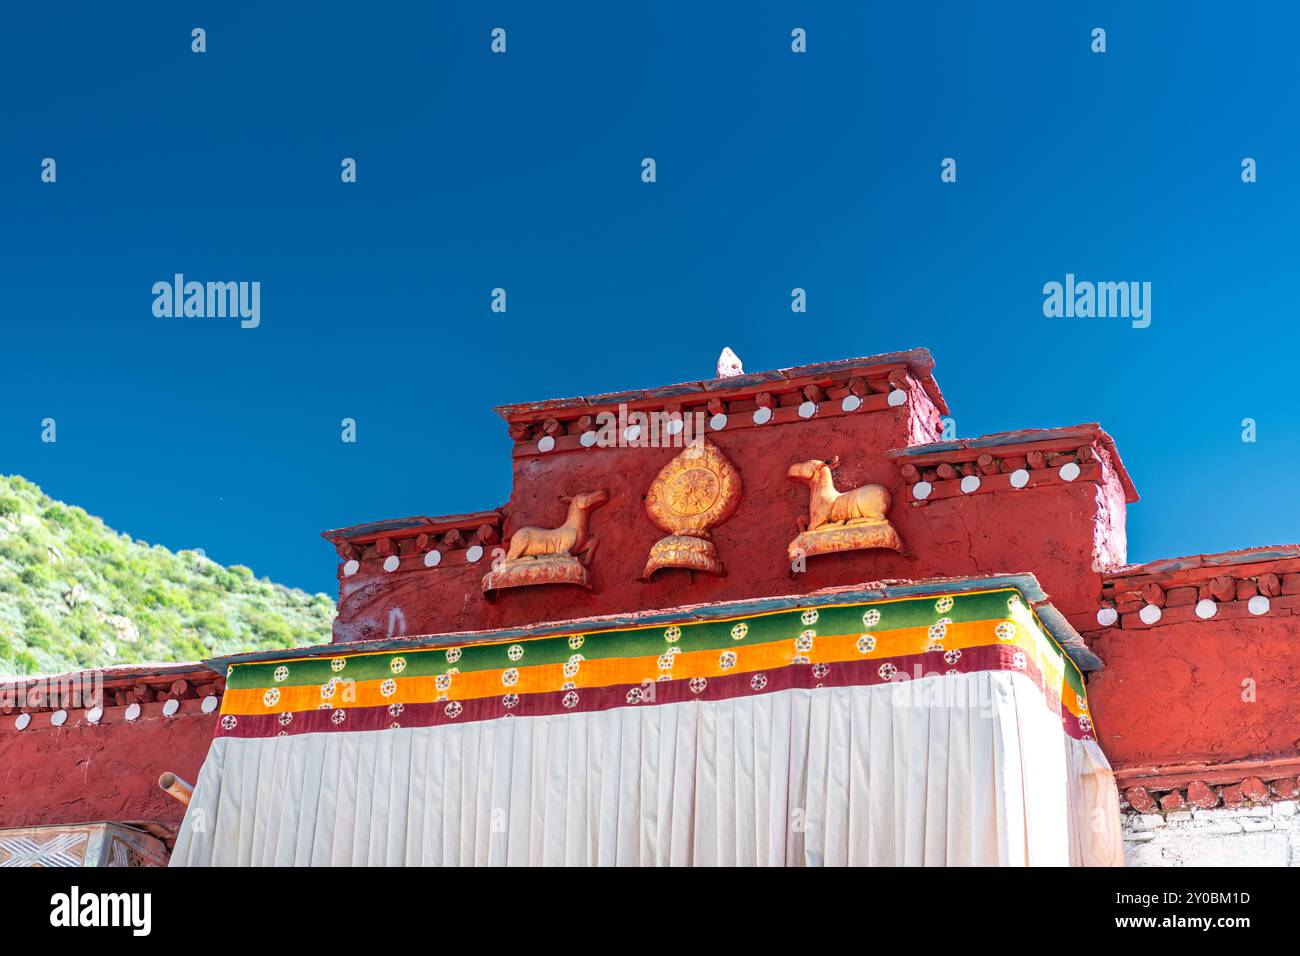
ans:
(94, 715)
(1069, 471)
(632, 433)
(433, 558)
(1206, 609)
(1150, 614)
(851, 403)
(674, 426)
(474, 552)
(351, 568)
(762, 416)
(970, 484)
(546, 443)
(718, 422)
(132, 712)
(171, 707)
(392, 563)
(1258, 604)
(897, 397)
(22, 721)
(1107, 616)
(921, 490)
(209, 704)
(1019, 478)
(807, 409)
(59, 718)
(587, 439)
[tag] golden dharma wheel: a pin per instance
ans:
(696, 490)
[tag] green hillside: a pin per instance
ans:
(76, 594)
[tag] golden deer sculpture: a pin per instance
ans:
(840, 520)
(570, 539)
(550, 555)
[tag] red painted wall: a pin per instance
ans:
(1173, 694)
(1060, 533)
(82, 773)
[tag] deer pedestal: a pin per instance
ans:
(850, 537)
(551, 569)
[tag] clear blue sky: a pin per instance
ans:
(775, 170)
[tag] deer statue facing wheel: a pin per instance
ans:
(550, 555)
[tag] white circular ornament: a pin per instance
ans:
(94, 715)
(807, 409)
(209, 704)
(970, 484)
(351, 568)
(22, 721)
(897, 397)
(171, 707)
(132, 712)
(433, 558)
(587, 439)
(392, 563)
(1150, 614)
(1206, 609)
(1069, 471)
(1107, 616)
(850, 403)
(762, 416)
(1258, 604)
(546, 443)
(473, 553)
(921, 490)
(59, 718)
(1019, 478)
(718, 422)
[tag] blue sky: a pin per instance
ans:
(522, 171)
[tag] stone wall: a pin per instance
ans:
(1267, 835)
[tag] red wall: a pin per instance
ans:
(1173, 694)
(1055, 532)
(82, 773)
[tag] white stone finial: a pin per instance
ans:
(729, 364)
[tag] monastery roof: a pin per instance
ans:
(918, 361)
(403, 527)
(35, 693)
(1198, 589)
(1223, 559)
(1022, 442)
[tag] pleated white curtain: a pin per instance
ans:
(832, 776)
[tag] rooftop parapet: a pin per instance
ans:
(1011, 461)
(752, 400)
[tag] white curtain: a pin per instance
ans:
(832, 776)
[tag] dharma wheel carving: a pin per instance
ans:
(696, 491)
